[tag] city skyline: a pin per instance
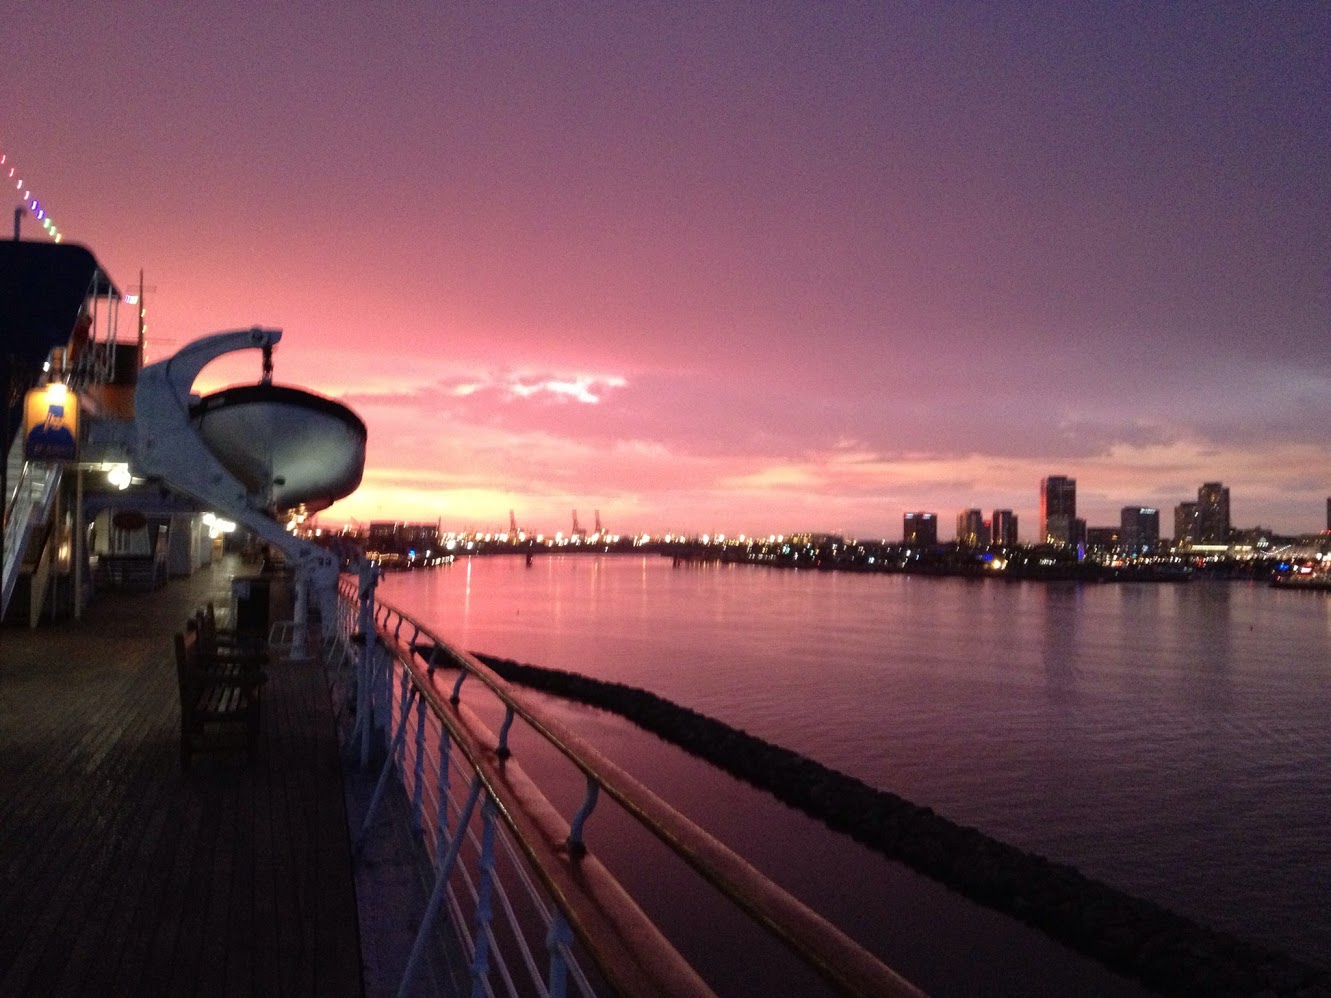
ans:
(722, 267)
(1204, 521)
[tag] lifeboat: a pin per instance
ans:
(288, 446)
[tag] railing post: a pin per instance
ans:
(502, 749)
(299, 652)
(575, 844)
(480, 962)
(383, 689)
(384, 773)
(440, 885)
(441, 785)
(404, 705)
(557, 942)
(368, 581)
(418, 774)
(367, 694)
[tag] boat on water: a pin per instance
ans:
(1306, 576)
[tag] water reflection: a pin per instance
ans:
(1212, 610)
(1060, 623)
(1168, 737)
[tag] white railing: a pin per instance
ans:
(514, 875)
(27, 505)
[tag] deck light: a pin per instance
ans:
(217, 526)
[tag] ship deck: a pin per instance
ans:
(121, 874)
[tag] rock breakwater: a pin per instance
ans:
(1164, 951)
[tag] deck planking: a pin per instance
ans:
(122, 874)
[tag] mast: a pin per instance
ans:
(142, 309)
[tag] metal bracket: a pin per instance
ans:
(168, 447)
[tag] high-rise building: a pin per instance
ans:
(1003, 528)
(1213, 513)
(1139, 528)
(1058, 510)
(1103, 538)
(920, 529)
(971, 532)
(1186, 530)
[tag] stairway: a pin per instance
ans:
(32, 487)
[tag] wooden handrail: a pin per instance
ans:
(542, 833)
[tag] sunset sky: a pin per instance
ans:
(727, 266)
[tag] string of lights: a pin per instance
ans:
(33, 205)
(9, 171)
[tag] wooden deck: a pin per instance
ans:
(121, 875)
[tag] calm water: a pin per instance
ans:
(1173, 740)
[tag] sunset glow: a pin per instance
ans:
(725, 267)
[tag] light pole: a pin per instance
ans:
(18, 218)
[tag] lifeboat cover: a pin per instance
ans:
(289, 447)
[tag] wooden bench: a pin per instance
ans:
(219, 700)
(220, 643)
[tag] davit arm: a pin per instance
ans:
(170, 448)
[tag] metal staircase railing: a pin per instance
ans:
(32, 494)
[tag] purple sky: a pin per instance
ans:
(739, 267)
